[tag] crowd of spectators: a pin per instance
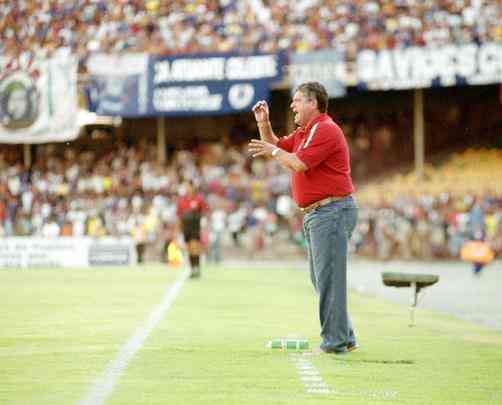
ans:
(182, 26)
(455, 201)
(125, 192)
(429, 226)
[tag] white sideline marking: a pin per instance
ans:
(309, 375)
(313, 382)
(104, 386)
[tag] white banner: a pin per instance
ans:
(325, 66)
(415, 67)
(38, 100)
(27, 252)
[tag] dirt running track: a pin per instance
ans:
(476, 299)
(459, 292)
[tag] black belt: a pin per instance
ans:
(322, 202)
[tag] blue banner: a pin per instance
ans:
(211, 84)
(135, 85)
(118, 84)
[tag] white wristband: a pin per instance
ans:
(275, 151)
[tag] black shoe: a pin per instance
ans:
(195, 273)
(349, 348)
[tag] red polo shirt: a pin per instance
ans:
(323, 148)
(190, 203)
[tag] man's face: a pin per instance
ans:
(304, 108)
(185, 189)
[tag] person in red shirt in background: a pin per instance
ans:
(317, 156)
(190, 208)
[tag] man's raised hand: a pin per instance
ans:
(261, 111)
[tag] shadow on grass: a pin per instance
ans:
(376, 361)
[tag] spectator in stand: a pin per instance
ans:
(477, 229)
(217, 226)
(51, 228)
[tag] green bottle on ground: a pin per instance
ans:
(289, 344)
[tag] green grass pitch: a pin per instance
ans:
(60, 328)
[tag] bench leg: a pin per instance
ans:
(413, 304)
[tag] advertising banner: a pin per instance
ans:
(118, 84)
(135, 85)
(38, 100)
(326, 66)
(450, 65)
(31, 252)
(213, 84)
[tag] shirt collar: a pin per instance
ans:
(321, 117)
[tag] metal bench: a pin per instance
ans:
(416, 281)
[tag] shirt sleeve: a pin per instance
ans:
(287, 143)
(323, 143)
(202, 204)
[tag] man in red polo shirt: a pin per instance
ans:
(317, 155)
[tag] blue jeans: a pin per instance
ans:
(327, 232)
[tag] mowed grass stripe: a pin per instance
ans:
(211, 349)
(59, 328)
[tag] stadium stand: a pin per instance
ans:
(120, 191)
(432, 218)
(178, 27)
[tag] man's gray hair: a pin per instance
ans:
(316, 91)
